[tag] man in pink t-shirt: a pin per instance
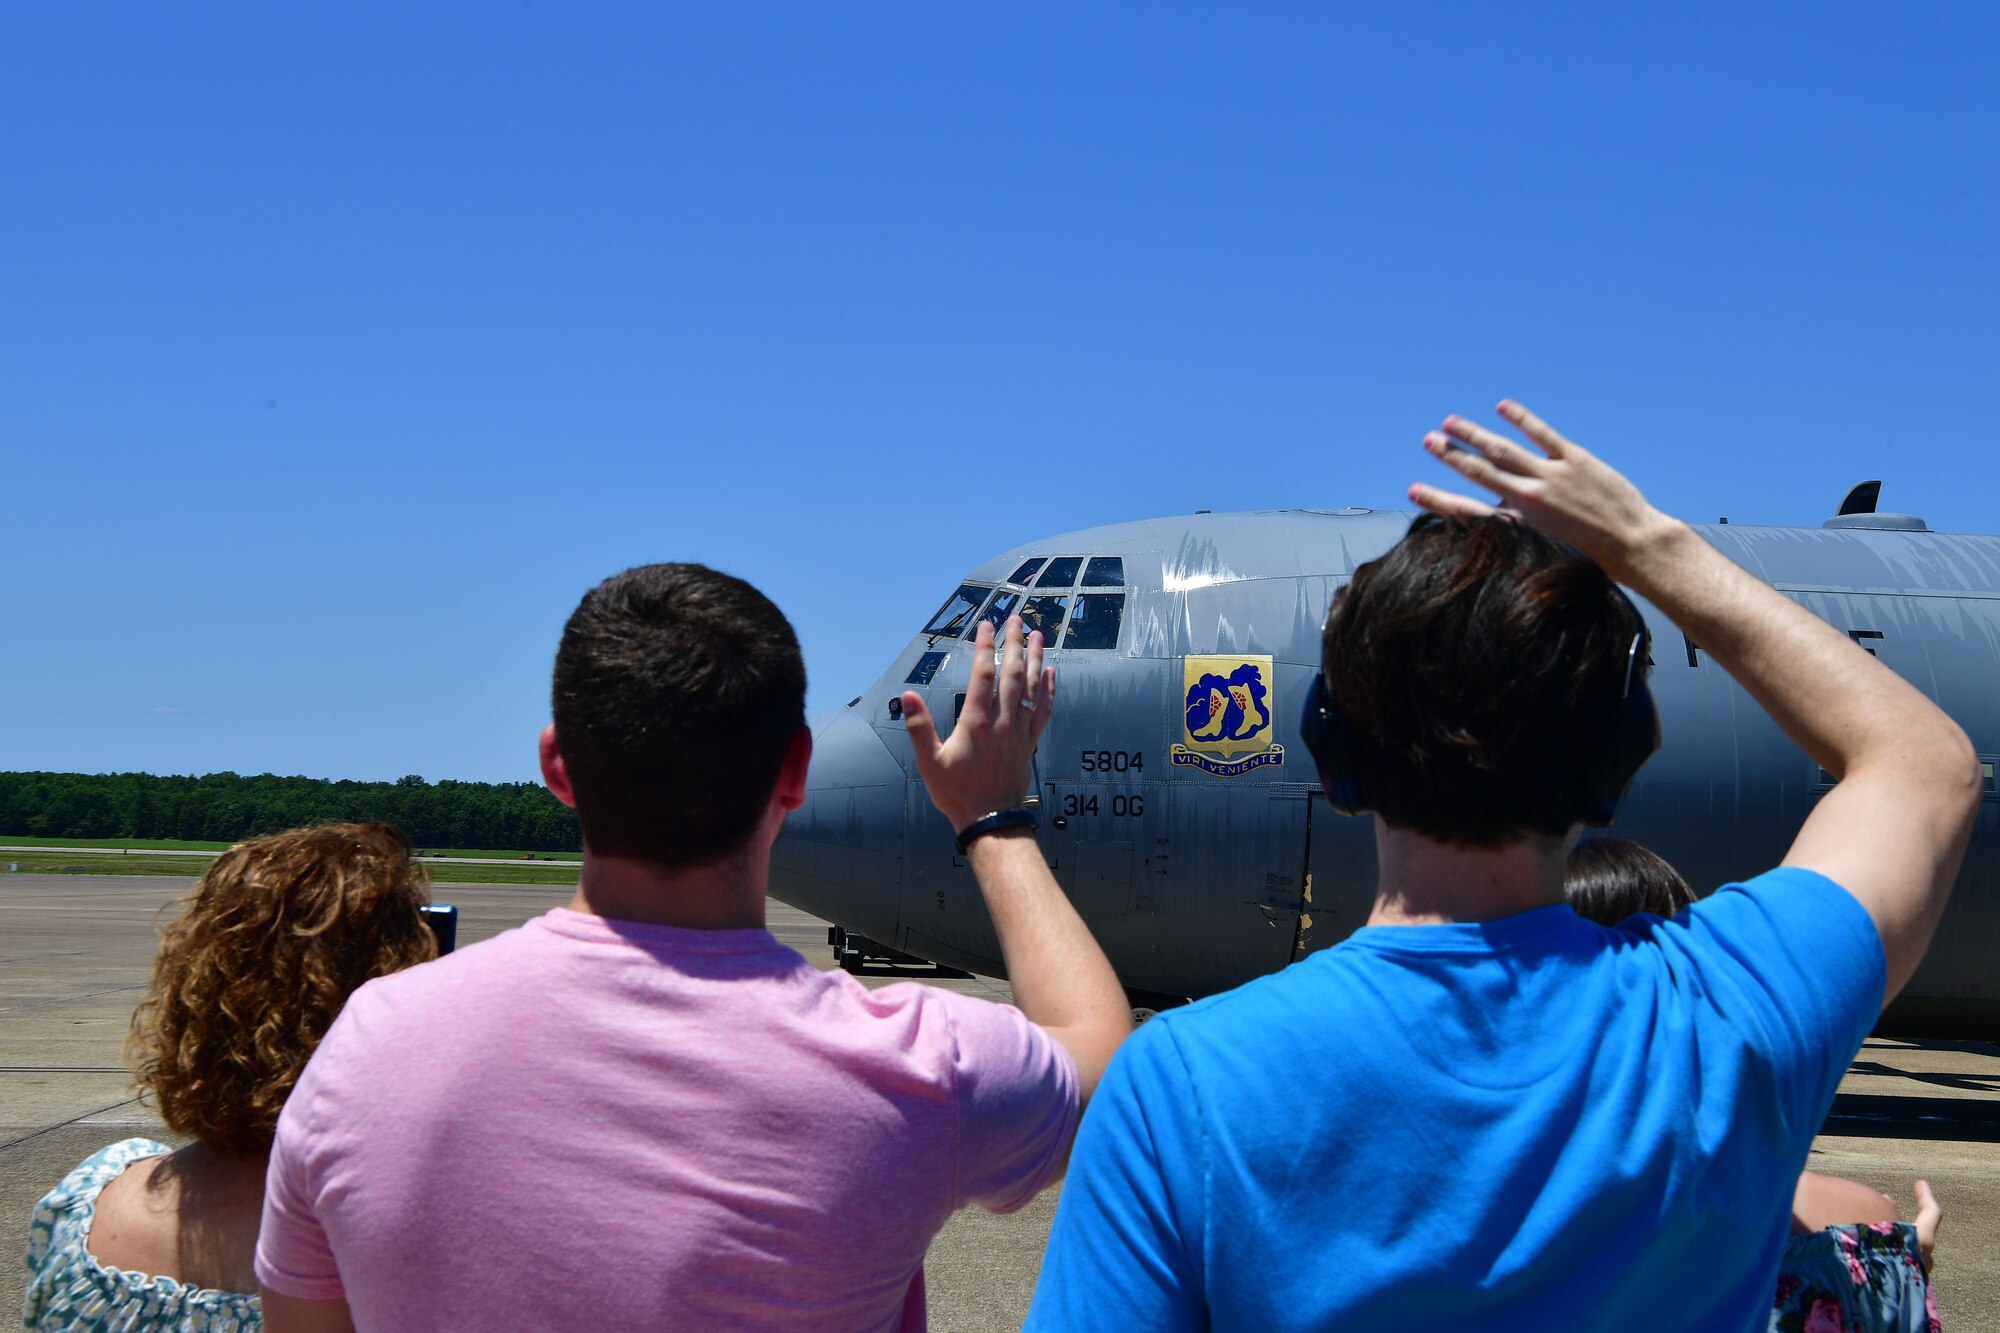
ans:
(642, 1110)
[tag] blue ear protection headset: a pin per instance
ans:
(1621, 749)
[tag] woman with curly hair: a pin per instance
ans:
(249, 977)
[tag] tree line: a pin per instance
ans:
(227, 807)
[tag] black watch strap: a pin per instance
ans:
(1019, 817)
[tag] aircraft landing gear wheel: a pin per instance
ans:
(1150, 1004)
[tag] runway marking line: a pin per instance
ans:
(47, 1129)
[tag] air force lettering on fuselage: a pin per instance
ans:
(1176, 799)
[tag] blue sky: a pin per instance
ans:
(342, 348)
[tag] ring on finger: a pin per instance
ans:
(1027, 703)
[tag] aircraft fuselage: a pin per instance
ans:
(1177, 801)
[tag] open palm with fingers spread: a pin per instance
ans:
(1559, 487)
(987, 763)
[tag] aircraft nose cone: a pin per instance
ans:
(841, 854)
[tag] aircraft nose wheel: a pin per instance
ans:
(1150, 1004)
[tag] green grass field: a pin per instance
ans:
(528, 872)
(137, 844)
(83, 863)
(114, 860)
(180, 845)
(575, 858)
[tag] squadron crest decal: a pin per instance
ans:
(1227, 727)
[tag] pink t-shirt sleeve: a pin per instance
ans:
(1017, 1104)
(293, 1256)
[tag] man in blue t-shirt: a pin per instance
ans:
(1481, 1110)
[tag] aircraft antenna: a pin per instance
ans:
(1861, 499)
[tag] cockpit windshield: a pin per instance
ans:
(1061, 572)
(1094, 623)
(957, 612)
(1045, 613)
(996, 613)
(1026, 571)
(1046, 592)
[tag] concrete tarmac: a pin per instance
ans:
(76, 951)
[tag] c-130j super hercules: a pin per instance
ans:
(1177, 798)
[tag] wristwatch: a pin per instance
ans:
(1019, 816)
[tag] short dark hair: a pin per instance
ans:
(1609, 879)
(678, 692)
(1475, 662)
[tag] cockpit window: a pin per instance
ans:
(1026, 571)
(1094, 623)
(1104, 571)
(926, 669)
(996, 612)
(1045, 613)
(1061, 572)
(958, 609)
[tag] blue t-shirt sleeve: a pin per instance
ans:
(1799, 961)
(1126, 1247)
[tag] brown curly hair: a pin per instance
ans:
(263, 955)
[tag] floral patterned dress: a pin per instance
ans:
(1855, 1279)
(68, 1288)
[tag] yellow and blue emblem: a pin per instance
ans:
(1228, 721)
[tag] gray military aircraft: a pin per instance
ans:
(1177, 798)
